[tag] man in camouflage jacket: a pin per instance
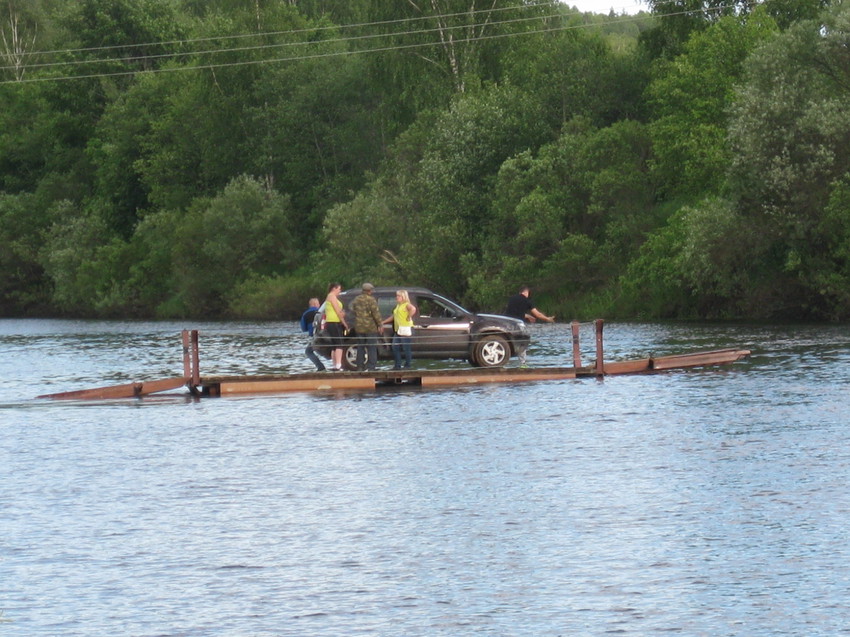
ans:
(367, 325)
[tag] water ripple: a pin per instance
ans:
(709, 502)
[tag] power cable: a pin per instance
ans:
(310, 30)
(141, 58)
(397, 47)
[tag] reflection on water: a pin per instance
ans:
(704, 502)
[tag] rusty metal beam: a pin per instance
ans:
(127, 390)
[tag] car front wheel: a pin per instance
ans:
(491, 351)
(349, 358)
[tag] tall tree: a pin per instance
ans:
(19, 33)
(569, 217)
(451, 36)
(317, 128)
(678, 19)
(691, 97)
(121, 36)
(786, 187)
(466, 147)
(245, 231)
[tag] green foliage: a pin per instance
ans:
(42, 135)
(830, 275)
(271, 297)
(375, 224)
(262, 151)
(787, 12)
(199, 133)
(680, 20)
(653, 285)
(123, 31)
(569, 219)
(694, 266)
(69, 258)
(149, 280)
(21, 225)
(245, 232)
(468, 144)
(791, 142)
(429, 211)
(450, 41)
(116, 151)
(209, 260)
(691, 96)
(318, 129)
(795, 143)
(19, 25)
(574, 73)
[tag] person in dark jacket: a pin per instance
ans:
(307, 326)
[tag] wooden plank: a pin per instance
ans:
(369, 380)
(115, 391)
(328, 382)
(127, 390)
(516, 376)
(154, 386)
(628, 367)
(698, 359)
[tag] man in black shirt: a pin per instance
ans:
(521, 306)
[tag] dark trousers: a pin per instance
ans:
(367, 344)
(314, 358)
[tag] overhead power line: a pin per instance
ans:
(258, 47)
(319, 55)
(309, 30)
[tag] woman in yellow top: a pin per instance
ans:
(335, 324)
(402, 320)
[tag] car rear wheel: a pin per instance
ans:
(491, 351)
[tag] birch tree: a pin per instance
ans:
(452, 35)
(18, 36)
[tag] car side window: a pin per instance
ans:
(386, 305)
(425, 307)
(431, 308)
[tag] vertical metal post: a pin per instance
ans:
(187, 370)
(196, 363)
(576, 349)
(600, 365)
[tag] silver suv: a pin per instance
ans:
(442, 330)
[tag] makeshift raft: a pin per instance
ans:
(199, 385)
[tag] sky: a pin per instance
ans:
(604, 6)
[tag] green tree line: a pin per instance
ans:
(230, 158)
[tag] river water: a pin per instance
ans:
(704, 502)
